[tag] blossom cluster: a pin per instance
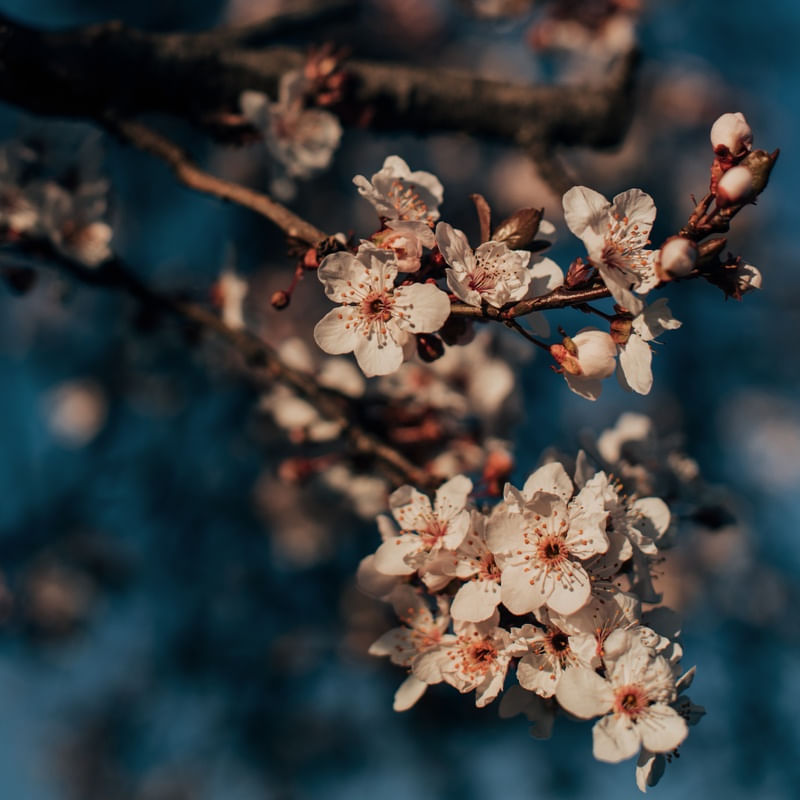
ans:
(390, 293)
(548, 584)
(57, 200)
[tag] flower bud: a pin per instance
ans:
(429, 347)
(731, 136)
(591, 354)
(676, 258)
(280, 299)
(734, 187)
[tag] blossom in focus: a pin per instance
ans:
(633, 699)
(398, 194)
(676, 258)
(302, 140)
(492, 273)
(635, 356)
(426, 531)
(731, 136)
(615, 235)
(586, 359)
(374, 319)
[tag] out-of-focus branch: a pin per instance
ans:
(111, 68)
(256, 354)
(188, 173)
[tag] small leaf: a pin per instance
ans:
(484, 215)
(519, 229)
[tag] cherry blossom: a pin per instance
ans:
(615, 235)
(633, 699)
(302, 140)
(421, 631)
(492, 273)
(375, 319)
(731, 136)
(398, 194)
(427, 529)
(540, 542)
(476, 658)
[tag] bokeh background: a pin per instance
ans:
(177, 625)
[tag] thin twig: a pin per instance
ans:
(514, 325)
(188, 173)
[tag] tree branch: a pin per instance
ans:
(111, 68)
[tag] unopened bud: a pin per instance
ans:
(731, 136)
(457, 330)
(578, 273)
(280, 299)
(734, 187)
(310, 259)
(591, 353)
(429, 347)
(497, 470)
(621, 329)
(676, 258)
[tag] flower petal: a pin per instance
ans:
(335, 333)
(407, 694)
(615, 738)
(424, 307)
(663, 729)
(584, 693)
(476, 601)
(634, 361)
(585, 210)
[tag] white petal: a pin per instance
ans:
(585, 209)
(589, 388)
(377, 356)
(654, 320)
(390, 556)
(584, 693)
(619, 284)
(649, 769)
(407, 694)
(454, 247)
(634, 361)
(656, 512)
(425, 308)
(476, 601)
(638, 207)
(334, 333)
(615, 738)
(546, 275)
(662, 728)
(567, 598)
(536, 673)
(451, 497)
(340, 272)
(518, 593)
(551, 478)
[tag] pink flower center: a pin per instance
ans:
(377, 307)
(407, 202)
(630, 700)
(489, 571)
(552, 550)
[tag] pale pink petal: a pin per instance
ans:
(454, 247)
(662, 728)
(584, 693)
(518, 593)
(589, 388)
(568, 596)
(635, 359)
(451, 497)
(619, 283)
(476, 600)
(615, 738)
(536, 672)
(428, 667)
(585, 209)
(390, 557)
(407, 694)
(649, 769)
(411, 508)
(373, 582)
(504, 531)
(656, 512)
(341, 273)
(334, 333)
(488, 690)
(551, 478)
(377, 355)
(424, 308)
(638, 207)
(396, 644)
(654, 320)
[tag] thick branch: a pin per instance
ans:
(110, 68)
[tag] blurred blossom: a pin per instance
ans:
(55, 598)
(76, 411)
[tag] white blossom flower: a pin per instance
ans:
(633, 699)
(404, 242)
(635, 356)
(426, 530)
(397, 193)
(302, 140)
(375, 319)
(615, 236)
(539, 543)
(420, 632)
(586, 359)
(492, 273)
(731, 135)
(71, 220)
(230, 290)
(477, 657)
(474, 563)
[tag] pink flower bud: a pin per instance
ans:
(731, 135)
(735, 186)
(591, 354)
(676, 258)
